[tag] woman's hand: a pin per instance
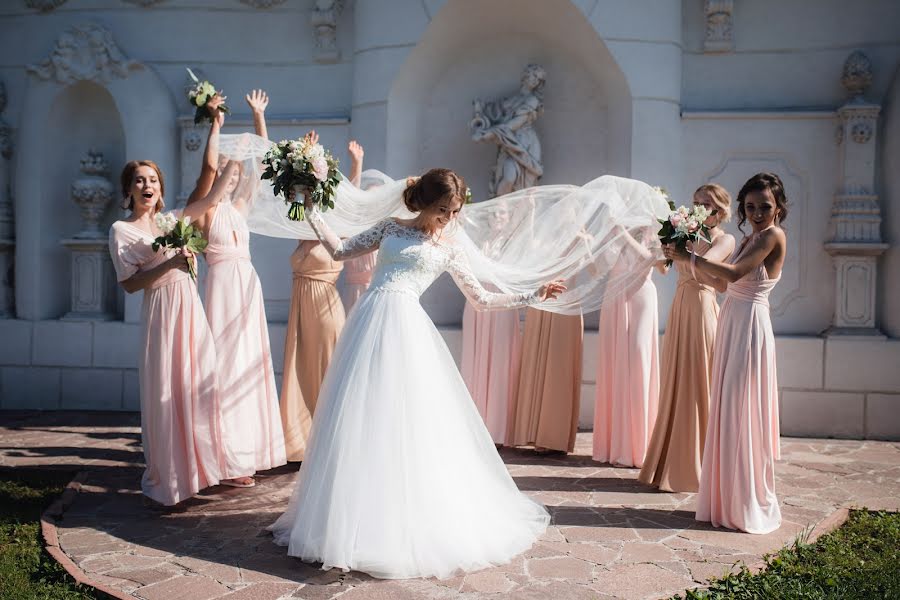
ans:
(312, 137)
(551, 290)
(212, 107)
(180, 260)
(356, 151)
(675, 254)
(258, 100)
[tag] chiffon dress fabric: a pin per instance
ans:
(737, 482)
(491, 353)
(180, 411)
(627, 390)
(401, 478)
(252, 437)
(674, 455)
(548, 388)
(314, 325)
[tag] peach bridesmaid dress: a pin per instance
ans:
(180, 409)
(357, 277)
(672, 462)
(548, 388)
(491, 352)
(252, 438)
(314, 324)
(737, 483)
(627, 377)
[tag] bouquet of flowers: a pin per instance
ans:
(300, 166)
(178, 234)
(199, 95)
(683, 225)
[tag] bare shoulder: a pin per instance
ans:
(774, 235)
(724, 240)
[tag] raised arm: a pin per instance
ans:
(211, 152)
(356, 162)
(482, 299)
(258, 101)
(360, 244)
(198, 209)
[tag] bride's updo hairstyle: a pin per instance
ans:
(433, 186)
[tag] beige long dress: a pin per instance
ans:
(314, 324)
(676, 447)
(548, 389)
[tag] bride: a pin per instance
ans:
(401, 478)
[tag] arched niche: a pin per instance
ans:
(888, 306)
(144, 112)
(83, 116)
(477, 49)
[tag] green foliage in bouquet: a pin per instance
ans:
(178, 235)
(199, 95)
(296, 163)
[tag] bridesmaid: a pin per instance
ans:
(737, 483)
(180, 411)
(252, 437)
(315, 321)
(627, 373)
(357, 271)
(548, 388)
(491, 353)
(674, 455)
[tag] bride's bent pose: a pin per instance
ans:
(401, 478)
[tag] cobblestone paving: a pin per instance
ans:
(610, 537)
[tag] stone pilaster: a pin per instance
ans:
(855, 243)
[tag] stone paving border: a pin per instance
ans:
(610, 539)
(55, 511)
(49, 519)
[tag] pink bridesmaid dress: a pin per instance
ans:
(627, 377)
(252, 437)
(177, 369)
(491, 353)
(737, 479)
(357, 277)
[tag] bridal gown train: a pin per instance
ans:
(401, 478)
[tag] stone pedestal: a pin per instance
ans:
(856, 243)
(93, 281)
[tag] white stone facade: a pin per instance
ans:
(674, 92)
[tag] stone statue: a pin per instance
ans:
(509, 123)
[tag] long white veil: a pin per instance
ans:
(600, 237)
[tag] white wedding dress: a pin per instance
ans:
(401, 478)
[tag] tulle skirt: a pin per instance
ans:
(401, 478)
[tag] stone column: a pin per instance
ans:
(7, 225)
(856, 242)
(93, 282)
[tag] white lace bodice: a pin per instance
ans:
(409, 261)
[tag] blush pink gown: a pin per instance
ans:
(180, 409)
(357, 276)
(737, 480)
(627, 377)
(491, 352)
(252, 437)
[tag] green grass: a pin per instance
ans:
(859, 560)
(27, 572)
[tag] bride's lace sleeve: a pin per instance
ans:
(358, 245)
(482, 299)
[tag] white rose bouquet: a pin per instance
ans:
(683, 225)
(199, 95)
(178, 234)
(298, 166)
